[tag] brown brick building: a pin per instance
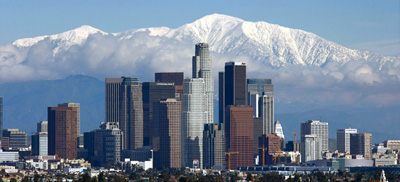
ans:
(62, 131)
(239, 135)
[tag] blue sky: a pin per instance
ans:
(361, 24)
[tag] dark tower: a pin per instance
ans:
(131, 113)
(153, 92)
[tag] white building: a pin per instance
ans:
(318, 128)
(194, 114)
(310, 148)
(279, 130)
(8, 156)
(343, 139)
(202, 68)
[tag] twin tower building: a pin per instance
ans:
(175, 116)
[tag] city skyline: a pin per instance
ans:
(227, 90)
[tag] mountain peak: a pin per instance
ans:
(75, 36)
(219, 17)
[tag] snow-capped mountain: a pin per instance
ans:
(264, 42)
(87, 50)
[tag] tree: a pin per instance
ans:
(249, 177)
(85, 178)
(101, 177)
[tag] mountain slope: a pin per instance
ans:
(25, 103)
(267, 43)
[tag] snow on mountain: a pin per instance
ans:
(87, 50)
(267, 43)
(75, 36)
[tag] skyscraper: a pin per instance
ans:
(172, 77)
(153, 92)
(239, 135)
(167, 112)
(78, 111)
(214, 146)
(257, 131)
(169, 77)
(40, 143)
(318, 128)
(360, 144)
(260, 93)
(194, 114)
(234, 87)
(113, 86)
(202, 68)
(42, 126)
(266, 103)
(1, 117)
(131, 113)
(104, 144)
(62, 131)
(343, 139)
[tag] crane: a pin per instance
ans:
(263, 149)
(295, 141)
(229, 158)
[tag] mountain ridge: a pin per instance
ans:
(267, 43)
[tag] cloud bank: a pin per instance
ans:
(338, 79)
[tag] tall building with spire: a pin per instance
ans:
(202, 68)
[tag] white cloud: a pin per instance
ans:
(354, 82)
